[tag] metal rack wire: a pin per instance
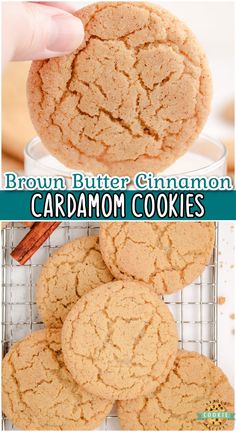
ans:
(194, 308)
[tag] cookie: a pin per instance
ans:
(229, 144)
(193, 386)
(17, 128)
(133, 97)
(70, 272)
(166, 255)
(38, 392)
(228, 112)
(119, 341)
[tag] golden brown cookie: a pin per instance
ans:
(229, 144)
(119, 341)
(166, 255)
(38, 392)
(133, 97)
(193, 386)
(228, 112)
(70, 272)
(17, 128)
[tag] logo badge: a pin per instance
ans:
(215, 416)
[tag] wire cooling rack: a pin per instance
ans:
(194, 308)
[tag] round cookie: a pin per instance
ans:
(133, 97)
(119, 341)
(193, 386)
(69, 273)
(38, 392)
(228, 112)
(229, 144)
(166, 255)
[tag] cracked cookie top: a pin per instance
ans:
(38, 392)
(192, 386)
(133, 97)
(70, 272)
(166, 255)
(119, 341)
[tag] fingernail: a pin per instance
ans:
(67, 33)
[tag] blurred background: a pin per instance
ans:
(213, 24)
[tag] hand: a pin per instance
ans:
(39, 30)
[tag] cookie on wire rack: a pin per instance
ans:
(38, 392)
(74, 269)
(194, 386)
(119, 340)
(166, 255)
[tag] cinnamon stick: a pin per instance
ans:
(32, 241)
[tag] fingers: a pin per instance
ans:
(36, 31)
(67, 6)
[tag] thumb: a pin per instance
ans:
(35, 31)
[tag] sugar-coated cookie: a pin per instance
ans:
(74, 269)
(119, 341)
(194, 385)
(166, 255)
(133, 97)
(38, 392)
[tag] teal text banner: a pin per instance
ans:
(119, 205)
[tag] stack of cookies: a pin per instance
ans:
(110, 337)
